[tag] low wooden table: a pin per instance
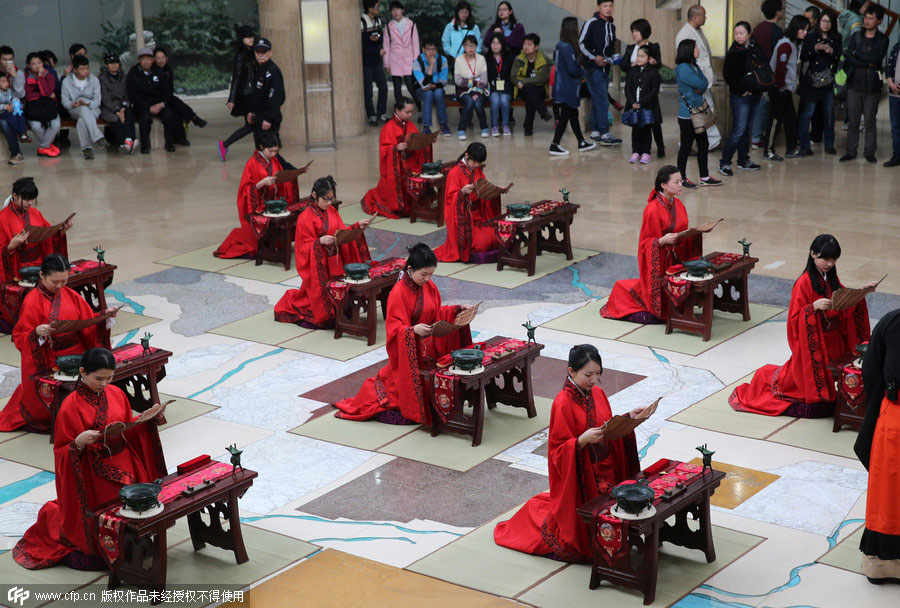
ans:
(844, 413)
(277, 243)
(357, 313)
(510, 370)
(646, 535)
(144, 540)
(138, 377)
(734, 298)
(429, 205)
(521, 250)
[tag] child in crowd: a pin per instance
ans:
(642, 93)
(81, 98)
(12, 120)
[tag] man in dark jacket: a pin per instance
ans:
(268, 92)
(148, 97)
(115, 108)
(865, 60)
(597, 43)
(373, 64)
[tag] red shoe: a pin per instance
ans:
(48, 152)
(55, 149)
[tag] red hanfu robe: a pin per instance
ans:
(241, 242)
(815, 338)
(467, 217)
(548, 524)
(317, 265)
(399, 384)
(646, 293)
(12, 222)
(90, 477)
(25, 407)
(392, 197)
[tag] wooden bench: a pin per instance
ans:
(515, 103)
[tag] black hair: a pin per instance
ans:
(798, 22)
(476, 152)
(7, 50)
(323, 186)
(745, 25)
(569, 32)
(79, 60)
(162, 50)
(832, 16)
(685, 52)
(420, 256)
(534, 38)
(367, 4)
(462, 4)
(401, 102)
(396, 4)
(97, 358)
(770, 8)
(31, 56)
(503, 48)
(642, 26)
(24, 187)
(49, 56)
(825, 246)
(3, 74)
(268, 140)
(54, 262)
(429, 41)
(241, 32)
(877, 10)
(663, 176)
(75, 48)
(855, 6)
(580, 354)
(815, 10)
(512, 16)
(470, 39)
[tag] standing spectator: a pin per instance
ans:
(268, 93)
(693, 30)
(432, 72)
(691, 86)
(640, 34)
(401, 47)
(470, 76)
(820, 53)
(567, 61)
(765, 35)
(81, 97)
(373, 62)
(781, 97)
(597, 45)
(741, 61)
(531, 79)
(865, 60)
(147, 94)
(508, 27)
(893, 80)
(74, 50)
(16, 76)
(462, 25)
(115, 108)
(12, 120)
(499, 69)
(242, 81)
(851, 20)
(642, 93)
(41, 110)
(183, 111)
(812, 14)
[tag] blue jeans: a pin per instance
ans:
(895, 125)
(500, 109)
(436, 97)
(760, 120)
(743, 109)
(468, 105)
(597, 81)
(807, 108)
(12, 126)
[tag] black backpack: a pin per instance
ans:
(759, 76)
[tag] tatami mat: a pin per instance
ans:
(404, 226)
(62, 579)
(261, 327)
(587, 321)
(715, 414)
(32, 449)
(201, 259)
(511, 278)
(816, 434)
(321, 342)
(504, 427)
(353, 213)
(725, 326)
(846, 554)
(9, 355)
(183, 410)
(365, 435)
(446, 269)
(128, 321)
(267, 272)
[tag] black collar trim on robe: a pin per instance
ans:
(95, 400)
(400, 123)
(584, 399)
(466, 169)
(43, 291)
(408, 281)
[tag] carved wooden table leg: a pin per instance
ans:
(707, 314)
(709, 548)
(532, 251)
(234, 524)
(745, 299)
(371, 316)
(651, 565)
(477, 413)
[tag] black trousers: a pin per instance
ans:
(566, 115)
(122, 131)
(782, 110)
(657, 137)
(641, 138)
(398, 82)
(375, 74)
(145, 120)
(688, 137)
(258, 130)
(534, 97)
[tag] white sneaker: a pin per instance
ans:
(461, 135)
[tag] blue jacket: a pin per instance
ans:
(689, 77)
(452, 39)
(568, 75)
(440, 75)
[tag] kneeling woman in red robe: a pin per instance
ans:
(582, 465)
(397, 395)
(89, 474)
(19, 214)
(643, 300)
(470, 235)
(816, 335)
(392, 196)
(40, 345)
(319, 260)
(257, 186)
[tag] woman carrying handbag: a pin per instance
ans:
(694, 114)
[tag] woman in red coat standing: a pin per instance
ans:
(582, 465)
(470, 235)
(318, 259)
(391, 197)
(816, 334)
(643, 300)
(257, 186)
